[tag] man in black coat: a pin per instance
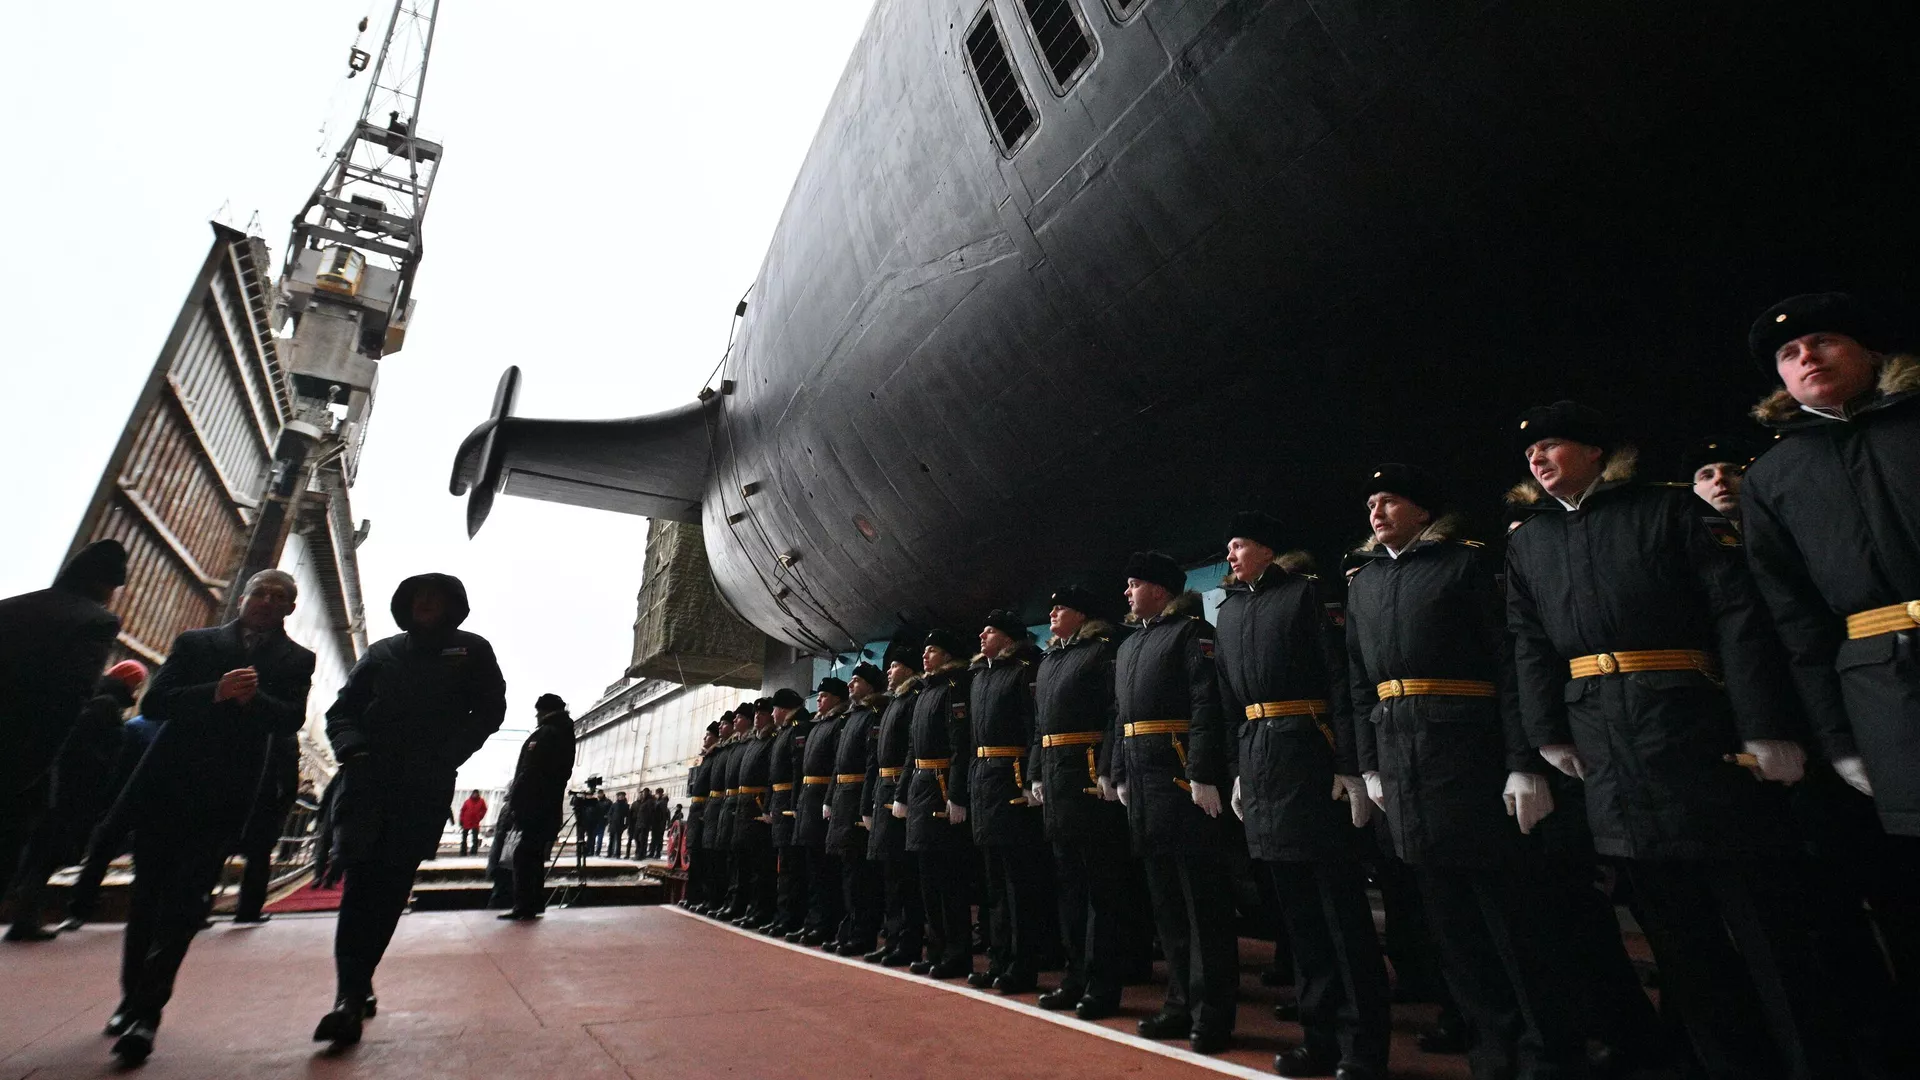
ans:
(1087, 826)
(726, 813)
(809, 814)
(221, 698)
(932, 800)
(53, 646)
(1444, 755)
(537, 803)
(662, 814)
(1282, 670)
(753, 818)
(1168, 767)
(849, 816)
(414, 708)
(1646, 663)
(1007, 825)
(905, 919)
(693, 898)
(621, 814)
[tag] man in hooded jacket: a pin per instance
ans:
(53, 645)
(414, 708)
(221, 698)
(1647, 669)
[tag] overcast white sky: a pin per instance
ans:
(613, 174)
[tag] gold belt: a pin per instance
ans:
(750, 790)
(852, 777)
(1613, 663)
(781, 787)
(1073, 738)
(696, 798)
(1884, 620)
(1000, 751)
(1156, 727)
(892, 774)
(933, 763)
(1268, 710)
(1440, 687)
(730, 793)
(816, 779)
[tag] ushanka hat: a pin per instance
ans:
(1008, 623)
(831, 685)
(785, 698)
(1567, 420)
(1252, 525)
(1410, 482)
(949, 642)
(1812, 313)
(869, 674)
(1083, 601)
(1713, 450)
(1157, 568)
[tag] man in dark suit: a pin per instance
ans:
(221, 698)
(53, 646)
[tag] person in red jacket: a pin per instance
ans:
(472, 813)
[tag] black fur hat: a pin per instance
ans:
(949, 641)
(101, 563)
(1255, 526)
(1812, 313)
(1568, 420)
(785, 698)
(1084, 601)
(1008, 623)
(1410, 482)
(1713, 450)
(1158, 568)
(831, 685)
(548, 703)
(870, 674)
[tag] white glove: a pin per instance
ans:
(1120, 792)
(1376, 790)
(765, 819)
(956, 813)
(900, 810)
(1528, 799)
(826, 813)
(1106, 790)
(1207, 798)
(1779, 760)
(1357, 802)
(1035, 796)
(1566, 758)
(866, 821)
(1239, 811)
(1854, 772)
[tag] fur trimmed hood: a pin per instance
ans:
(876, 701)
(1619, 469)
(1899, 374)
(1091, 630)
(950, 665)
(1287, 562)
(909, 685)
(1187, 605)
(1445, 527)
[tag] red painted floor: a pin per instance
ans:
(585, 993)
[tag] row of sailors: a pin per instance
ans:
(1641, 683)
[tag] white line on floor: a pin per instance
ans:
(1065, 1020)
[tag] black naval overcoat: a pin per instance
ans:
(1832, 527)
(1436, 613)
(723, 775)
(1001, 713)
(697, 786)
(849, 797)
(783, 772)
(939, 732)
(1073, 696)
(816, 760)
(891, 746)
(756, 762)
(1278, 642)
(1165, 671)
(1636, 568)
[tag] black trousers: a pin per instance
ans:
(1017, 898)
(905, 922)
(1503, 949)
(945, 878)
(617, 841)
(173, 871)
(371, 902)
(756, 872)
(1339, 977)
(862, 899)
(1192, 895)
(823, 890)
(1091, 885)
(658, 843)
(112, 836)
(530, 860)
(1735, 953)
(255, 875)
(794, 875)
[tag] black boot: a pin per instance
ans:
(133, 1047)
(341, 1027)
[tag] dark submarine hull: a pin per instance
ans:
(1258, 247)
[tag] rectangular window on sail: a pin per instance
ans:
(1001, 95)
(1062, 39)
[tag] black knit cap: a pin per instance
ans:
(549, 702)
(1007, 622)
(1157, 568)
(1813, 313)
(1264, 529)
(1083, 601)
(785, 698)
(872, 675)
(949, 641)
(1568, 420)
(831, 685)
(1410, 482)
(101, 563)
(1713, 450)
